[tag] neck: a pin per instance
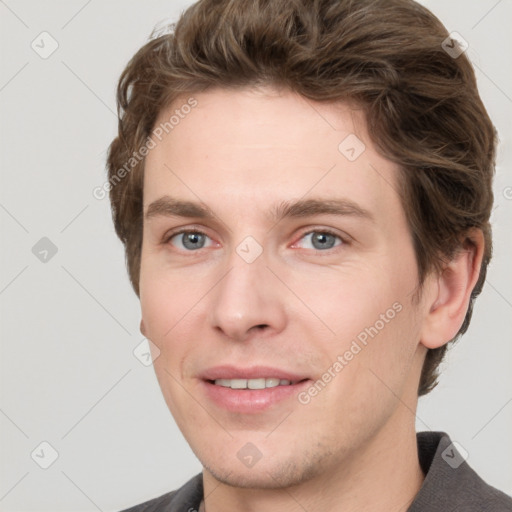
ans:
(382, 475)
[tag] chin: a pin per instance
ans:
(254, 478)
(265, 474)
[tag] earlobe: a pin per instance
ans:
(452, 292)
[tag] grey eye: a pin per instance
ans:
(321, 240)
(189, 240)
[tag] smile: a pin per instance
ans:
(261, 383)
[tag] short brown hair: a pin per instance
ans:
(422, 107)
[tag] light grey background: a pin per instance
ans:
(69, 326)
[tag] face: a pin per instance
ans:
(276, 250)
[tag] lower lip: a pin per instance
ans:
(251, 400)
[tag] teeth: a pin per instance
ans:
(256, 383)
(262, 383)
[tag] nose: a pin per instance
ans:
(248, 301)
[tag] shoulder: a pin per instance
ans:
(184, 499)
(450, 482)
(160, 504)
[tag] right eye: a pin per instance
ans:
(190, 240)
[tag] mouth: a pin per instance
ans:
(260, 383)
(251, 390)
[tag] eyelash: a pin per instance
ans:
(344, 240)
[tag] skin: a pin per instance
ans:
(296, 307)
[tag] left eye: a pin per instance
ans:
(321, 240)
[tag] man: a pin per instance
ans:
(303, 189)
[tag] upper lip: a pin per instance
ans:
(253, 372)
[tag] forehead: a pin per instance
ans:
(259, 147)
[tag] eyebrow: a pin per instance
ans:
(167, 206)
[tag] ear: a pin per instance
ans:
(143, 328)
(448, 302)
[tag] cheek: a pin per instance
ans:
(371, 316)
(169, 310)
(169, 294)
(351, 304)
(159, 303)
(155, 308)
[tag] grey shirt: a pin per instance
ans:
(450, 485)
